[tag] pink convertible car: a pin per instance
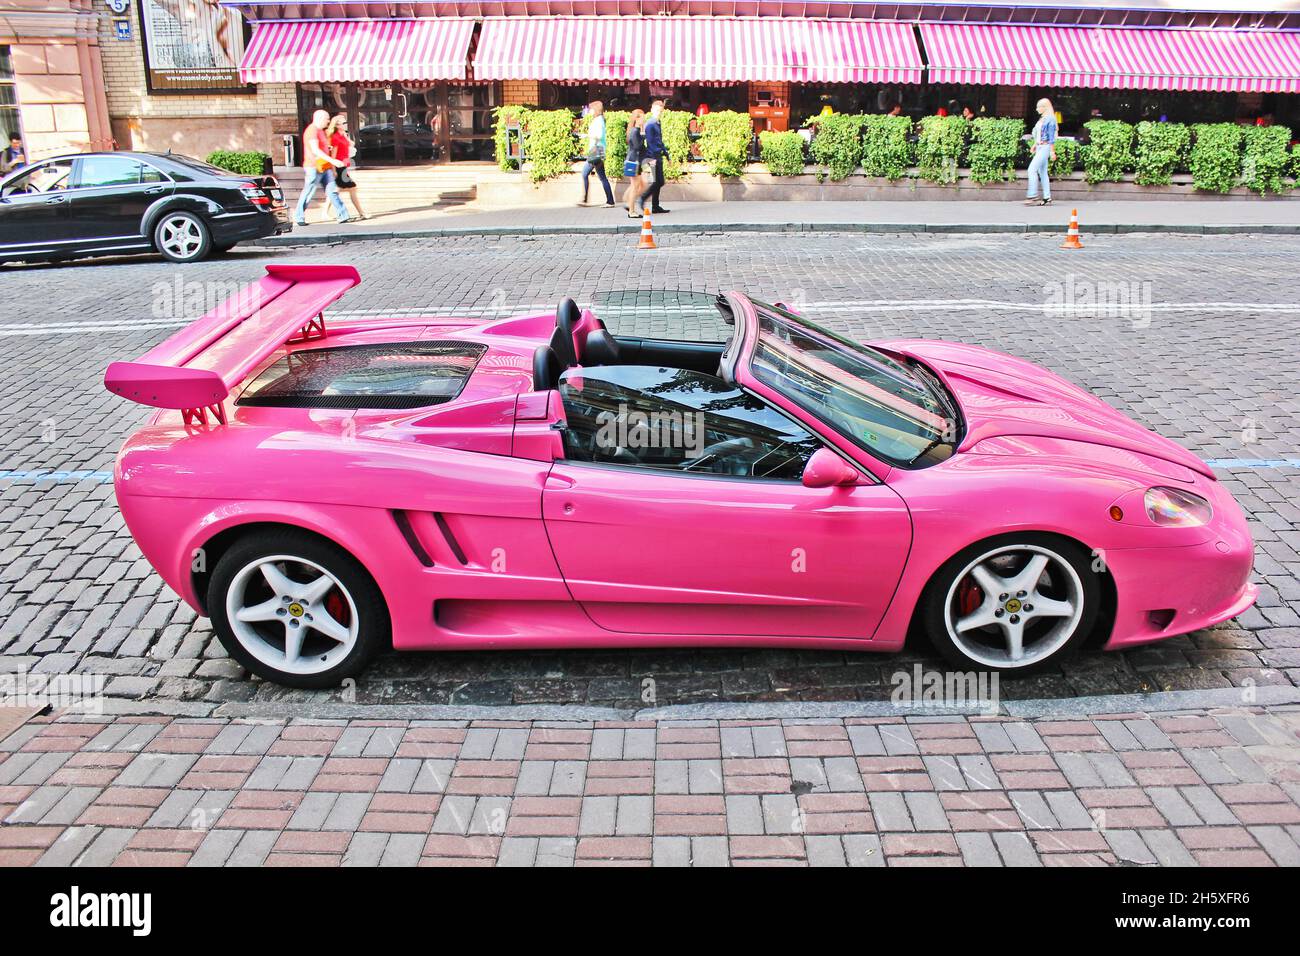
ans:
(323, 490)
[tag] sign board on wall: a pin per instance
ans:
(192, 46)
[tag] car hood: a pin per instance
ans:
(1001, 395)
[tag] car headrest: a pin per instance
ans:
(600, 348)
(567, 316)
(546, 369)
(562, 345)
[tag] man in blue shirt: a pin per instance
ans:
(655, 153)
(14, 156)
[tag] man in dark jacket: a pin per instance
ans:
(655, 153)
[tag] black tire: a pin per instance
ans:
(373, 631)
(944, 589)
(222, 249)
(182, 236)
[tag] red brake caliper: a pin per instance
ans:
(969, 596)
(337, 607)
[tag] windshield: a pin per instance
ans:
(899, 413)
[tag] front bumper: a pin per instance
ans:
(1163, 592)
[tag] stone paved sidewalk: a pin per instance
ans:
(1133, 789)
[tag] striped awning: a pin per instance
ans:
(340, 51)
(697, 49)
(1246, 61)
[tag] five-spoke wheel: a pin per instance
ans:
(1012, 603)
(296, 609)
(182, 237)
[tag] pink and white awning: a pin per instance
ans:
(340, 51)
(1247, 61)
(697, 49)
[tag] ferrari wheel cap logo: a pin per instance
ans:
(1013, 605)
(295, 609)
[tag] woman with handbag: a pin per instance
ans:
(632, 165)
(595, 157)
(342, 148)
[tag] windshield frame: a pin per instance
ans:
(927, 379)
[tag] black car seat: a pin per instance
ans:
(546, 369)
(601, 348)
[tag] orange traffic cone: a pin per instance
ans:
(647, 231)
(1072, 236)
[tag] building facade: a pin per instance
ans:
(420, 79)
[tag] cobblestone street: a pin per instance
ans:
(1204, 352)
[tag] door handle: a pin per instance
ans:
(153, 190)
(55, 200)
(559, 482)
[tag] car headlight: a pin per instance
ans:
(1173, 508)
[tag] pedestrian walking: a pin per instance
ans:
(595, 157)
(318, 170)
(14, 156)
(632, 164)
(652, 165)
(342, 148)
(1043, 142)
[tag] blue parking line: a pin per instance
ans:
(59, 477)
(1230, 463)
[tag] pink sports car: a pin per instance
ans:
(325, 490)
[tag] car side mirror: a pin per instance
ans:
(825, 469)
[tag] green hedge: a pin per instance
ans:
(549, 143)
(782, 153)
(994, 144)
(1161, 147)
(942, 141)
(886, 149)
(1295, 163)
(676, 127)
(1215, 159)
(837, 144)
(250, 163)
(615, 141)
(1265, 160)
(1110, 150)
(724, 141)
(1068, 156)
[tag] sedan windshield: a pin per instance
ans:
(899, 413)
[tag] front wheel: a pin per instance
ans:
(182, 237)
(296, 609)
(1012, 603)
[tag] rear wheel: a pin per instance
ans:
(1012, 603)
(182, 237)
(296, 609)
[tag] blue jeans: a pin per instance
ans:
(1038, 173)
(309, 188)
(599, 166)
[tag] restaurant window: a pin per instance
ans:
(469, 117)
(9, 120)
(1077, 106)
(810, 99)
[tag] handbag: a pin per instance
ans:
(630, 167)
(344, 180)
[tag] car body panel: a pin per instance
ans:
(480, 533)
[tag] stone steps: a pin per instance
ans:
(393, 188)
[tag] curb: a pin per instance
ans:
(951, 228)
(1225, 698)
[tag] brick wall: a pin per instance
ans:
(520, 92)
(1012, 101)
(194, 124)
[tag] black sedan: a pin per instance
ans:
(92, 204)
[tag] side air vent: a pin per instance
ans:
(412, 540)
(452, 543)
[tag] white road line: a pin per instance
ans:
(836, 307)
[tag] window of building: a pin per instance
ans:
(9, 120)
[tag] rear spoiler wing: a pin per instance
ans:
(196, 368)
